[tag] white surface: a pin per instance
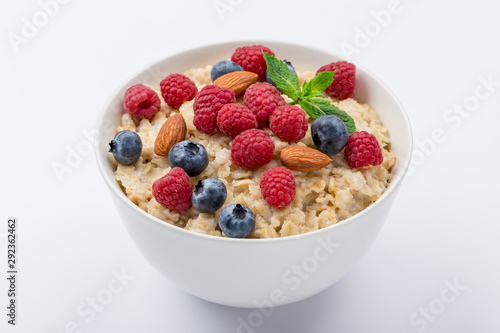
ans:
(444, 225)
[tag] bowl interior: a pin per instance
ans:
(369, 90)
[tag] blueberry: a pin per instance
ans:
(236, 221)
(126, 147)
(224, 67)
(290, 67)
(209, 195)
(189, 155)
(329, 134)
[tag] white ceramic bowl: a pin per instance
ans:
(256, 272)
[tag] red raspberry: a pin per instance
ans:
(207, 104)
(344, 80)
(206, 121)
(235, 118)
(277, 186)
(141, 101)
(262, 98)
(289, 123)
(251, 149)
(362, 149)
(251, 59)
(176, 89)
(174, 190)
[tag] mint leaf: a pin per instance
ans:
(319, 107)
(285, 80)
(306, 89)
(289, 84)
(311, 108)
(318, 84)
(311, 93)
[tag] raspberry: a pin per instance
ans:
(174, 191)
(235, 118)
(141, 101)
(251, 149)
(213, 96)
(176, 89)
(289, 123)
(362, 150)
(277, 186)
(206, 121)
(207, 104)
(251, 59)
(344, 80)
(262, 98)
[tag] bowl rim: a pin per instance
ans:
(116, 190)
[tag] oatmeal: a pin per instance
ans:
(323, 197)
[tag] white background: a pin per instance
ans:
(445, 224)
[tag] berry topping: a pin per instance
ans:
(141, 101)
(289, 123)
(173, 191)
(277, 186)
(209, 195)
(290, 67)
(251, 149)
(190, 156)
(206, 121)
(224, 67)
(329, 134)
(126, 147)
(207, 104)
(251, 59)
(362, 150)
(344, 81)
(262, 99)
(235, 118)
(236, 221)
(307, 95)
(177, 89)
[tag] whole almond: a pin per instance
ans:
(304, 159)
(173, 131)
(237, 81)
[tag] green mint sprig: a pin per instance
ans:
(289, 84)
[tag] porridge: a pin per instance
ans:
(322, 197)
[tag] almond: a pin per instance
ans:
(304, 159)
(173, 131)
(237, 81)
